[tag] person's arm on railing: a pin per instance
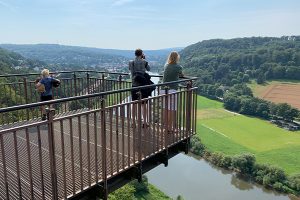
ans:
(180, 73)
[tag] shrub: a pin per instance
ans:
(216, 158)
(226, 162)
(286, 189)
(244, 163)
(268, 175)
(123, 193)
(294, 183)
(278, 186)
(197, 147)
(141, 187)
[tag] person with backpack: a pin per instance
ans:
(45, 87)
(138, 68)
(139, 77)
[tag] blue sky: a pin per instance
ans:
(148, 24)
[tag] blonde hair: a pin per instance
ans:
(45, 73)
(173, 58)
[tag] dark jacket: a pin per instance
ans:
(143, 79)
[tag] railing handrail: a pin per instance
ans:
(86, 96)
(65, 72)
(78, 71)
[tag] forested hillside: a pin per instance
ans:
(224, 67)
(62, 57)
(236, 60)
(75, 57)
(11, 62)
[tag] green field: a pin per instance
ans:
(230, 133)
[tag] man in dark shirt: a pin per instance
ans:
(138, 68)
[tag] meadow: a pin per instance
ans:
(232, 133)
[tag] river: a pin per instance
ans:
(195, 179)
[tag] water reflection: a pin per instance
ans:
(194, 179)
(240, 184)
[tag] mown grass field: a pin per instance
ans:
(230, 133)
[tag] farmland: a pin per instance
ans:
(230, 133)
(279, 92)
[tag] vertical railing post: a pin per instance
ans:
(166, 115)
(75, 84)
(188, 108)
(195, 117)
(75, 88)
(139, 119)
(50, 116)
(120, 87)
(103, 143)
(103, 84)
(4, 167)
(26, 95)
(88, 89)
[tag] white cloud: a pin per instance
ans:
(121, 2)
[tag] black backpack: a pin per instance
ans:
(55, 82)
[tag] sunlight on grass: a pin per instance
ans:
(234, 134)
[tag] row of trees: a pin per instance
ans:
(267, 175)
(240, 99)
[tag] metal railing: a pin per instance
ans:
(19, 89)
(73, 151)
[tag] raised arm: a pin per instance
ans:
(130, 65)
(147, 66)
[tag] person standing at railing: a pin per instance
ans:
(46, 95)
(138, 68)
(172, 72)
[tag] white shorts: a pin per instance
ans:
(172, 99)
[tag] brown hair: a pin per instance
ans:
(173, 58)
(138, 52)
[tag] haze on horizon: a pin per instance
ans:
(155, 24)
